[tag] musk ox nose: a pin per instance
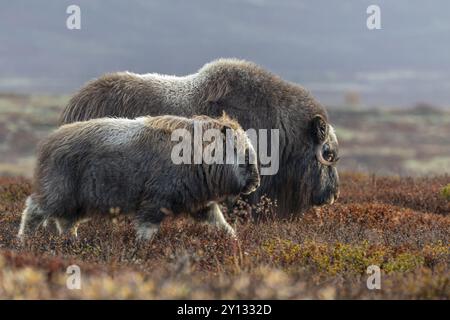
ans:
(325, 198)
(333, 198)
(255, 183)
(337, 194)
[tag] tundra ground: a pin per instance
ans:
(400, 224)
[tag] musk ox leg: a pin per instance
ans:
(146, 230)
(55, 225)
(214, 216)
(32, 217)
(65, 225)
(50, 225)
(230, 202)
(148, 219)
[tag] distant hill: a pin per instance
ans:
(414, 141)
(324, 45)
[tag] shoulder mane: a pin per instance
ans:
(170, 123)
(167, 123)
(223, 76)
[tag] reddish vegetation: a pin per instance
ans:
(400, 224)
(421, 194)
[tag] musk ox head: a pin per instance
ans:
(241, 156)
(246, 163)
(233, 151)
(322, 157)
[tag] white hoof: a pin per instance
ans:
(147, 231)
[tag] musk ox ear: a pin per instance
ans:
(229, 122)
(319, 129)
(225, 117)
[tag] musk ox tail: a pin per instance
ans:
(32, 217)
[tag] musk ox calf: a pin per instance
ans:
(256, 98)
(118, 165)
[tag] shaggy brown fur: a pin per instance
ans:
(255, 97)
(118, 165)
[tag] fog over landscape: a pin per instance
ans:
(324, 45)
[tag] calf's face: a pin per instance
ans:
(246, 164)
(248, 171)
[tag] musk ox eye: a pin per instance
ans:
(319, 129)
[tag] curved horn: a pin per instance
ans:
(331, 139)
(319, 156)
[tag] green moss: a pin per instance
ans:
(341, 258)
(404, 262)
(445, 192)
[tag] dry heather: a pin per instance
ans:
(399, 224)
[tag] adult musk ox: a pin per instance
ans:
(118, 165)
(255, 97)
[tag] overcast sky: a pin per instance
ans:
(324, 45)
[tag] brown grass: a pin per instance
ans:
(399, 224)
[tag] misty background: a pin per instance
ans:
(323, 45)
(387, 91)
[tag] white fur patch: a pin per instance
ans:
(332, 134)
(174, 89)
(216, 218)
(23, 222)
(120, 131)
